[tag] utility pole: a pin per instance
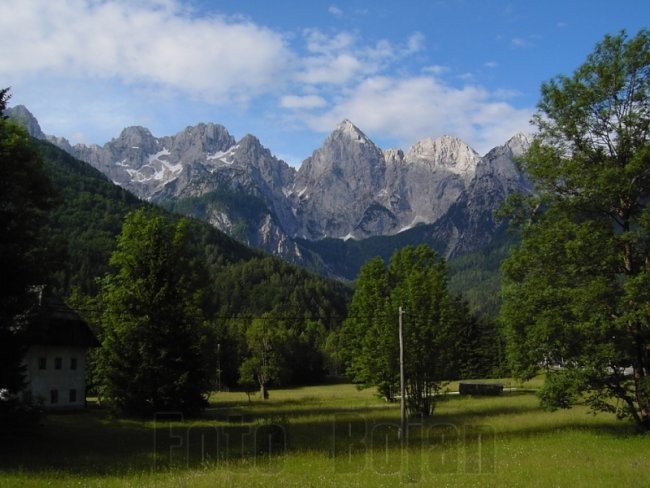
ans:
(219, 367)
(402, 389)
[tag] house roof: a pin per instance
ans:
(55, 324)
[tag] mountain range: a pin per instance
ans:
(348, 201)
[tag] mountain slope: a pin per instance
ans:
(438, 191)
(82, 228)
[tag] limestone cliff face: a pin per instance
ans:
(348, 188)
(335, 190)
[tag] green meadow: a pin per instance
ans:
(333, 435)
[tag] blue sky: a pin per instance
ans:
(290, 71)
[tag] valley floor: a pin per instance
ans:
(333, 435)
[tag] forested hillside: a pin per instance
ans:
(237, 283)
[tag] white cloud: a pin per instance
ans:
(151, 41)
(415, 43)
(337, 69)
(342, 58)
(436, 69)
(412, 108)
(521, 43)
(302, 102)
(320, 43)
(132, 56)
(335, 11)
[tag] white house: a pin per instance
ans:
(55, 361)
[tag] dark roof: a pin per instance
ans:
(55, 324)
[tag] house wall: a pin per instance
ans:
(56, 376)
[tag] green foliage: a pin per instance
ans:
(155, 348)
(435, 327)
(477, 275)
(246, 210)
(25, 197)
(265, 338)
(4, 99)
(483, 346)
(82, 228)
(575, 291)
(369, 337)
(561, 389)
(308, 306)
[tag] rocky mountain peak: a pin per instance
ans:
(24, 117)
(393, 156)
(250, 151)
(346, 152)
(137, 138)
(519, 143)
(205, 137)
(446, 152)
(250, 143)
(350, 131)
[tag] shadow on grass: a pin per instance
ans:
(92, 443)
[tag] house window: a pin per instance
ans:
(58, 363)
(42, 362)
(54, 397)
(73, 363)
(73, 396)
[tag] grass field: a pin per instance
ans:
(333, 435)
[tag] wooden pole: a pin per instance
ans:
(402, 389)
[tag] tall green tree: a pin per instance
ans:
(416, 279)
(368, 335)
(157, 351)
(577, 290)
(265, 363)
(432, 323)
(25, 197)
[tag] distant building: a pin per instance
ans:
(55, 361)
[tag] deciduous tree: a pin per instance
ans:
(416, 279)
(265, 337)
(577, 289)
(157, 352)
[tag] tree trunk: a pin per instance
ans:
(642, 385)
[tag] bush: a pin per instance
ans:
(17, 417)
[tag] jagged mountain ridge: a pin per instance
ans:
(348, 188)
